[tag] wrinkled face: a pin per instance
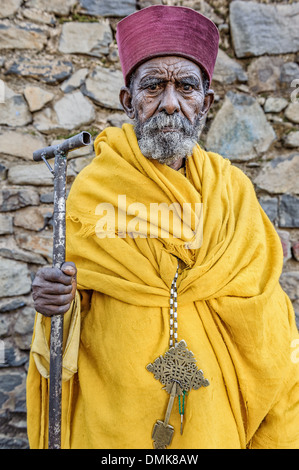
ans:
(167, 99)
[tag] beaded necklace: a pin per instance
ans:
(177, 371)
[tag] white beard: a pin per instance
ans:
(167, 147)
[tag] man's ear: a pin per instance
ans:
(125, 99)
(208, 101)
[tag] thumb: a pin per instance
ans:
(69, 268)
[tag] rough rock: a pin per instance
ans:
(9, 7)
(44, 68)
(289, 72)
(264, 74)
(77, 164)
(270, 206)
(54, 6)
(111, 8)
(228, 70)
(292, 140)
(292, 112)
(38, 16)
(70, 112)
(118, 119)
(259, 29)
(295, 250)
(47, 198)
(3, 172)
(40, 243)
(13, 198)
(14, 111)
(275, 104)
(25, 321)
(5, 325)
(85, 38)
(75, 81)
(289, 211)
(280, 175)
(6, 224)
(9, 249)
(36, 97)
(12, 385)
(240, 119)
(206, 9)
(103, 86)
(9, 304)
(46, 121)
(36, 174)
(290, 284)
(14, 278)
(23, 328)
(74, 110)
(20, 144)
(286, 244)
(33, 218)
(27, 36)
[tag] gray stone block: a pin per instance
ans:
(289, 211)
(259, 29)
(240, 130)
(112, 8)
(280, 175)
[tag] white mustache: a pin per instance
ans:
(171, 121)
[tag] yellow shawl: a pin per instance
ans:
(232, 312)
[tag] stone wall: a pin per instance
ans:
(60, 74)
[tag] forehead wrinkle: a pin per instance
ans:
(173, 71)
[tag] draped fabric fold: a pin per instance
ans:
(232, 311)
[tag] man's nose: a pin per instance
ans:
(169, 100)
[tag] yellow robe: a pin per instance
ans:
(232, 312)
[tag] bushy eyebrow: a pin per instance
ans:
(149, 81)
(187, 80)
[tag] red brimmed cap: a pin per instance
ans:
(161, 30)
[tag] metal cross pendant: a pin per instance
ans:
(177, 371)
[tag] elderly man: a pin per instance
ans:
(176, 333)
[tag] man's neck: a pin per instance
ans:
(178, 164)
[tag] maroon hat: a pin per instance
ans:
(161, 30)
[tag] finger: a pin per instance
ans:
(56, 275)
(51, 310)
(51, 288)
(55, 300)
(69, 268)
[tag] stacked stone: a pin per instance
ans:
(60, 74)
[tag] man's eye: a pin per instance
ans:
(187, 87)
(153, 87)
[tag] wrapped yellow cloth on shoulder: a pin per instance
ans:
(232, 312)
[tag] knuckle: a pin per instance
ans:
(63, 308)
(64, 299)
(63, 289)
